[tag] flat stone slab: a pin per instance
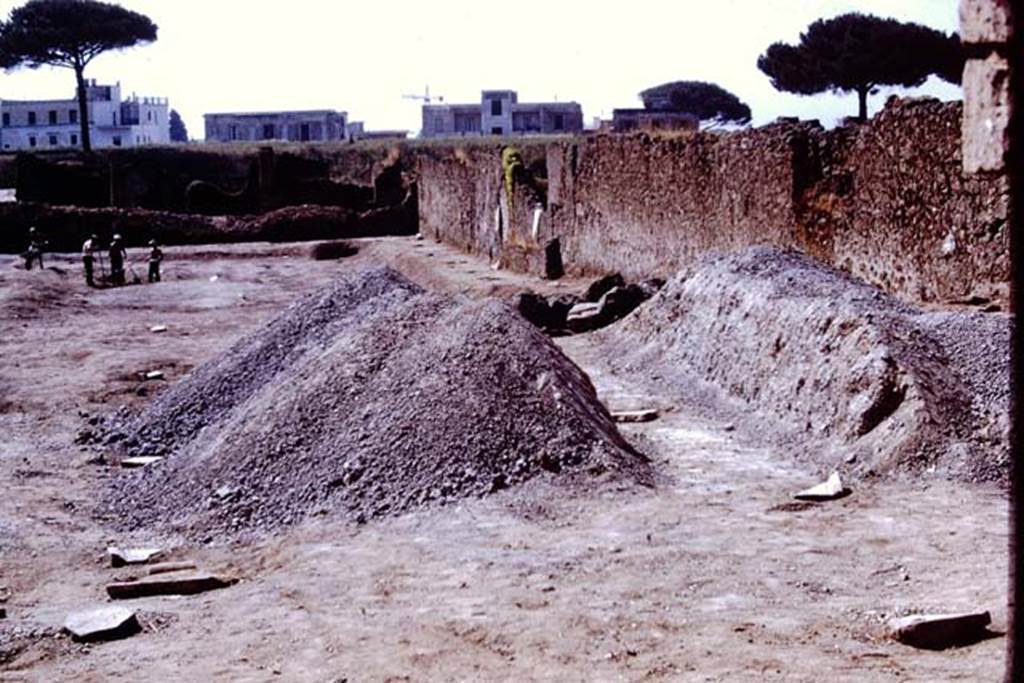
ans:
(939, 631)
(154, 374)
(166, 584)
(156, 329)
(168, 567)
(141, 461)
(831, 489)
(109, 622)
(635, 415)
(120, 557)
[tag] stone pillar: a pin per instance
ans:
(985, 31)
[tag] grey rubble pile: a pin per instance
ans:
(368, 398)
(829, 365)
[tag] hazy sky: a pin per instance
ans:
(361, 57)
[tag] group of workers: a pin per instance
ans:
(91, 250)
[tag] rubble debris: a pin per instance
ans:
(140, 461)
(164, 584)
(940, 631)
(830, 489)
(598, 288)
(831, 367)
(109, 622)
(646, 415)
(370, 397)
(584, 317)
(129, 556)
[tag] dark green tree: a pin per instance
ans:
(177, 127)
(857, 52)
(70, 34)
(707, 101)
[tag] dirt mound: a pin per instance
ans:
(370, 397)
(875, 385)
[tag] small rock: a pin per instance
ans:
(831, 489)
(154, 374)
(156, 329)
(939, 631)
(635, 415)
(141, 461)
(103, 623)
(122, 557)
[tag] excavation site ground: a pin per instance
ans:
(372, 526)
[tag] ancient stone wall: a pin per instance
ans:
(886, 201)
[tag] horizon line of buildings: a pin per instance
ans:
(134, 121)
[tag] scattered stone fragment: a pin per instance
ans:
(141, 461)
(168, 567)
(939, 631)
(154, 374)
(122, 557)
(830, 489)
(635, 415)
(158, 328)
(109, 622)
(163, 584)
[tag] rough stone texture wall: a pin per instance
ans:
(887, 201)
(902, 214)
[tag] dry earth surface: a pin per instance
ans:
(714, 574)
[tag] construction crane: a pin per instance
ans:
(425, 97)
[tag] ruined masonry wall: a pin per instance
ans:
(887, 201)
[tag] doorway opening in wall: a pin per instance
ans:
(268, 131)
(304, 132)
(496, 130)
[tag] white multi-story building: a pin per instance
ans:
(51, 124)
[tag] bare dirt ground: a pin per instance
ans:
(715, 574)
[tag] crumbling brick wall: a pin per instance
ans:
(886, 201)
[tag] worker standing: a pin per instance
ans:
(155, 257)
(35, 249)
(117, 258)
(88, 257)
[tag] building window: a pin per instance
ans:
(113, 117)
(495, 107)
(496, 130)
(559, 123)
(268, 131)
(149, 115)
(7, 119)
(53, 117)
(32, 119)
(72, 116)
(304, 132)
(116, 141)
(233, 132)
(74, 139)
(32, 141)
(53, 138)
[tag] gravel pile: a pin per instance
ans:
(845, 374)
(369, 398)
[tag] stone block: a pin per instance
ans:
(635, 415)
(121, 557)
(984, 21)
(939, 631)
(109, 622)
(986, 114)
(164, 584)
(830, 489)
